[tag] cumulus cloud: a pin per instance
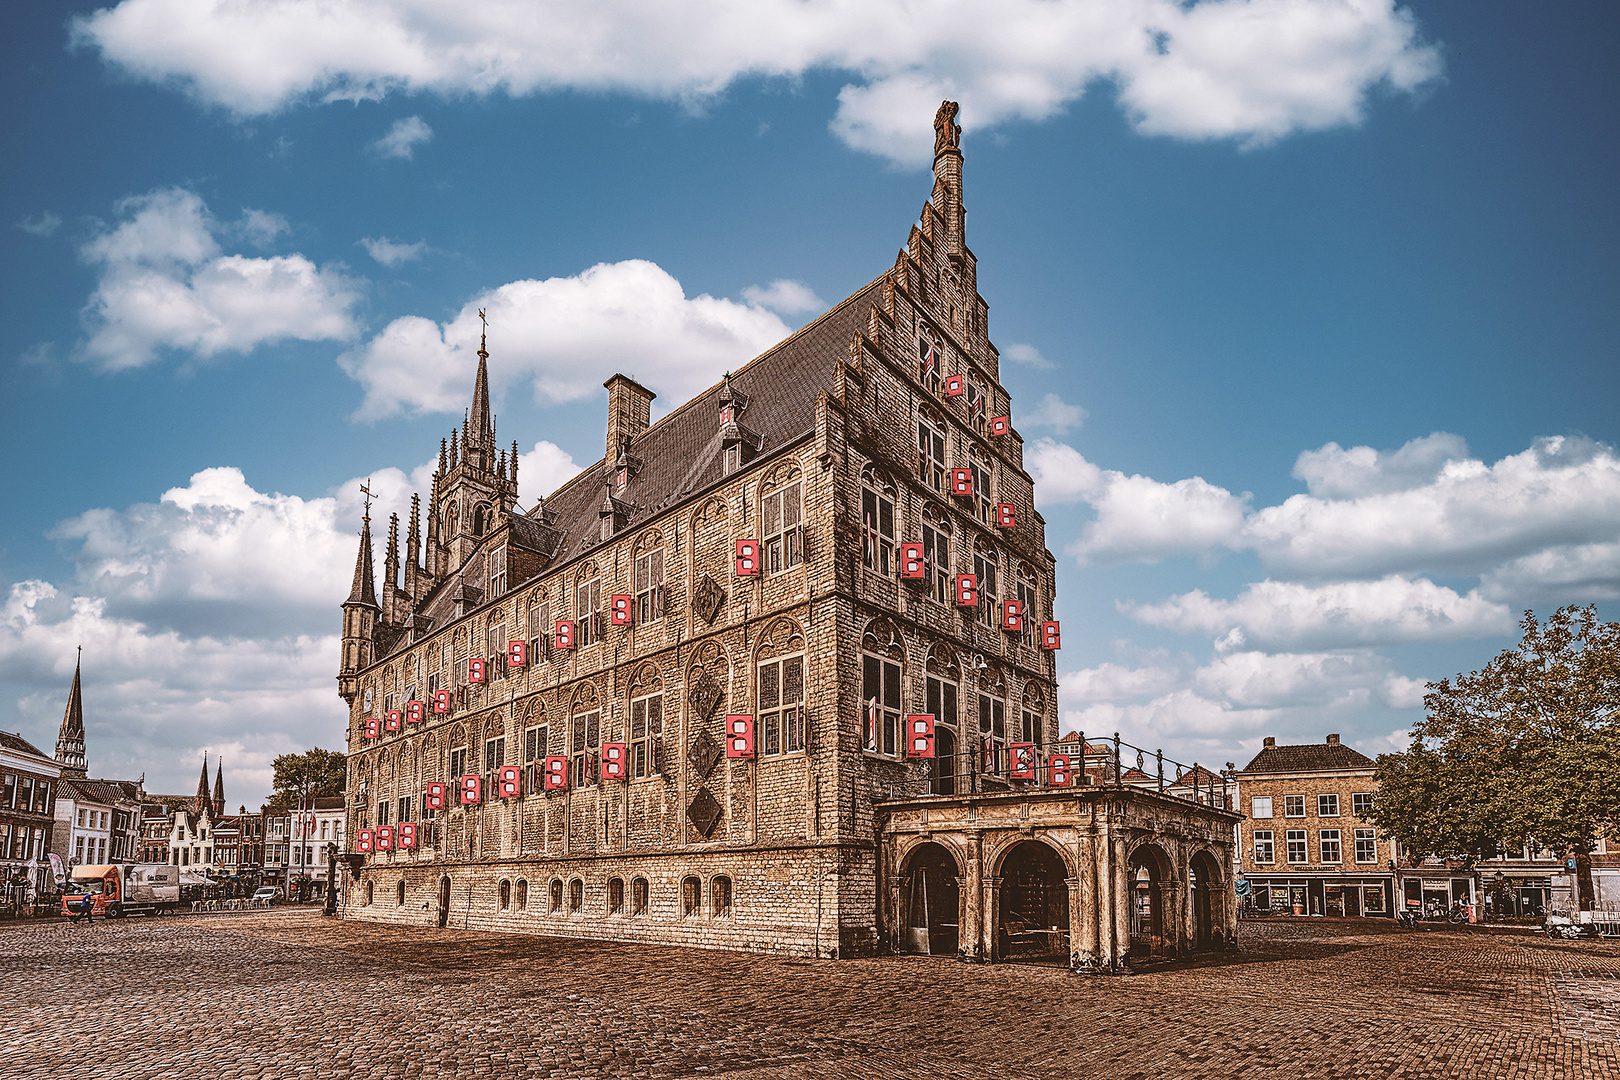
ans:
(261, 228)
(1054, 413)
(1251, 70)
(564, 335)
(1027, 355)
(785, 298)
(166, 284)
(44, 224)
(403, 138)
(543, 470)
(1290, 615)
(393, 253)
(1336, 473)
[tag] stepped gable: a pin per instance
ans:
(1310, 757)
(680, 454)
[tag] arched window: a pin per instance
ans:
(585, 735)
(587, 606)
(556, 894)
(1034, 710)
(929, 362)
(576, 895)
(943, 676)
(1026, 600)
(638, 896)
(720, 896)
(881, 656)
(984, 493)
(646, 722)
(931, 449)
(780, 697)
(985, 562)
(877, 522)
(978, 405)
(691, 897)
(505, 894)
(399, 894)
(480, 517)
(992, 722)
(522, 895)
(936, 545)
(615, 896)
(782, 537)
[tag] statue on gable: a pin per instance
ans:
(947, 132)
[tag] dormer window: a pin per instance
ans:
(728, 413)
(621, 477)
(928, 363)
(497, 572)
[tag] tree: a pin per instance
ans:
(1525, 749)
(314, 774)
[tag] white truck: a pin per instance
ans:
(121, 889)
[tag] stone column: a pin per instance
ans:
(1087, 901)
(971, 906)
(1123, 899)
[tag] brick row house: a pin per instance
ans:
(775, 673)
(28, 783)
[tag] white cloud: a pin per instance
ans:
(166, 284)
(1253, 70)
(1467, 520)
(1054, 413)
(403, 138)
(392, 253)
(785, 298)
(1027, 355)
(543, 470)
(565, 336)
(1336, 473)
(1290, 615)
(43, 225)
(1061, 474)
(260, 227)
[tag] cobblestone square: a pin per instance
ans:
(287, 993)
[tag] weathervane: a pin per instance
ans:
(365, 489)
(483, 335)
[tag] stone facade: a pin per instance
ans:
(880, 424)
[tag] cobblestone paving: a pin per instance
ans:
(288, 994)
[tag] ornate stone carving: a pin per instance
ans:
(708, 599)
(702, 696)
(947, 132)
(704, 813)
(703, 755)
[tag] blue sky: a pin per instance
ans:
(1323, 294)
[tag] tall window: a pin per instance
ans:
(930, 454)
(1263, 850)
(495, 641)
(720, 897)
(404, 814)
(615, 898)
(992, 732)
(984, 571)
(539, 625)
(880, 686)
(497, 572)
(458, 763)
(783, 541)
(691, 896)
(877, 523)
(936, 545)
(781, 705)
(649, 586)
(365, 701)
(978, 406)
(928, 363)
(494, 754)
(586, 737)
(638, 896)
(1297, 852)
(1366, 846)
(1330, 845)
(1029, 728)
(982, 495)
(646, 724)
(587, 611)
(534, 743)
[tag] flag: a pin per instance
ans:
(872, 725)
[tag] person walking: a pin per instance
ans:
(87, 909)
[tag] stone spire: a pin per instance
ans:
(482, 428)
(219, 789)
(363, 591)
(202, 785)
(70, 740)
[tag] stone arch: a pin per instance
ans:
(645, 679)
(930, 875)
(1208, 891)
(1032, 878)
(583, 697)
(942, 660)
(784, 473)
(711, 511)
(782, 636)
(1151, 875)
(883, 638)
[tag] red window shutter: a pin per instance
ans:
(739, 736)
(614, 756)
(962, 482)
(556, 774)
(1023, 761)
(373, 728)
(1012, 616)
(441, 701)
(1005, 517)
(472, 790)
(1049, 636)
(434, 797)
(565, 633)
(920, 735)
(953, 386)
(619, 609)
(406, 840)
(415, 712)
(362, 840)
(385, 838)
(508, 782)
(475, 669)
(748, 558)
(967, 590)
(1000, 425)
(911, 561)
(517, 654)
(1058, 772)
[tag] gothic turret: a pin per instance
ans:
(219, 790)
(202, 800)
(360, 613)
(478, 483)
(70, 740)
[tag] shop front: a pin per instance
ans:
(1517, 896)
(1336, 897)
(1428, 891)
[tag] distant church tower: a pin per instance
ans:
(203, 802)
(219, 789)
(70, 740)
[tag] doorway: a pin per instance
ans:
(1033, 906)
(930, 893)
(944, 761)
(1209, 898)
(444, 901)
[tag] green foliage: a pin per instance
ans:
(314, 774)
(1526, 747)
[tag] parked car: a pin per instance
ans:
(1561, 924)
(265, 894)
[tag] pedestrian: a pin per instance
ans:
(87, 908)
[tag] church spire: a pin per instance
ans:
(482, 429)
(70, 740)
(219, 789)
(363, 591)
(202, 784)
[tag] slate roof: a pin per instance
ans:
(680, 454)
(97, 791)
(1311, 757)
(12, 741)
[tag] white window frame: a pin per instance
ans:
(1263, 850)
(1327, 804)
(782, 545)
(1301, 838)
(1259, 803)
(1290, 802)
(1324, 837)
(643, 745)
(783, 718)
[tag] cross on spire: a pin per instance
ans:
(365, 489)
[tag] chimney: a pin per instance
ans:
(1271, 742)
(1333, 740)
(629, 413)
